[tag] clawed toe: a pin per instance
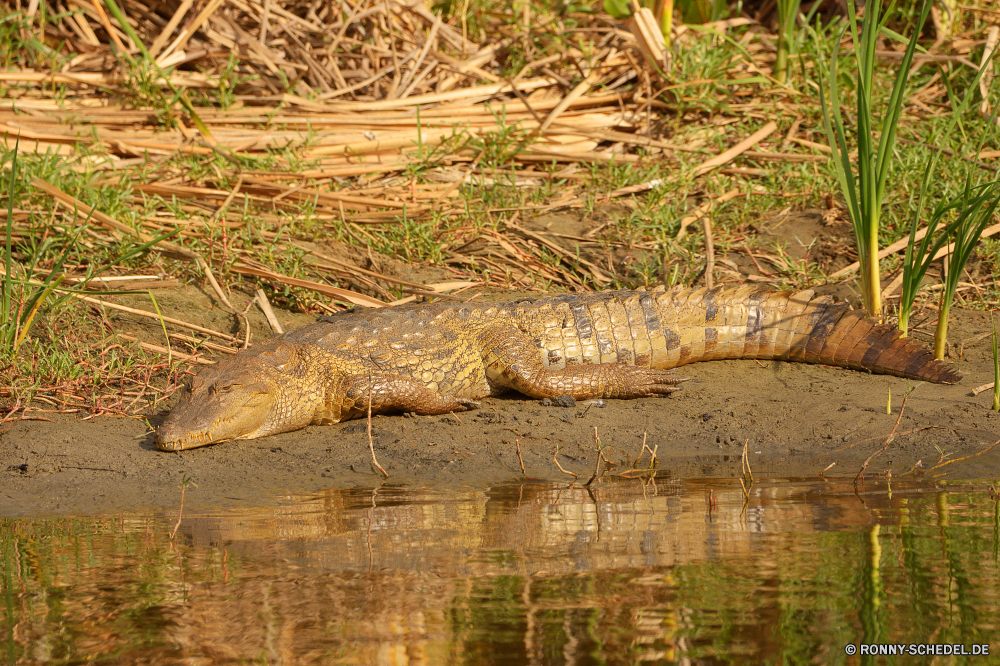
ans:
(469, 404)
(666, 378)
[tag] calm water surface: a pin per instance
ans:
(625, 572)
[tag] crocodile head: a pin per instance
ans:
(254, 393)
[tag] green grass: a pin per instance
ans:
(866, 195)
(26, 295)
(788, 11)
(974, 212)
(640, 233)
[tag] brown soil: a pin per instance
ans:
(797, 418)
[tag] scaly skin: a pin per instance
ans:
(439, 358)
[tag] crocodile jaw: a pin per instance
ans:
(204, 417)
(260, 391)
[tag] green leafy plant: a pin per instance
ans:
(788, 10)
(865, 192)
(618, 8)
(918, 258)
(975, 208)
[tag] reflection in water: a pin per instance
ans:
(625, 572)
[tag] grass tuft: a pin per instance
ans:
(866, 193)
(975, 209)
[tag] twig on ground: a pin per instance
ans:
(897, 436)
(889, 438)
(185, 482)
(600, 457)
(265, 307)
(948, 462)
(706, 222)
(555, 459)
(746, 476)
(371, 442)
(736, 150)
(984, 387)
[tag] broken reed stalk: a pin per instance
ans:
(652, 453)
(706, 222)
(974, 455)
(519, 458)
(653, 461)
(185, 481)
(265, 307)
(737, 150)
(995, 340)
(156, 349)
(150, 315)
(371, 442)
(983, 387)
(555, 459)
(746, 475)
(600, 458)
(888, 440)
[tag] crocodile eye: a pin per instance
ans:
(224, 388)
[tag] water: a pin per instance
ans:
(627, 572)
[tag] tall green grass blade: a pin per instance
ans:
(32, 310)
(163, 325)
(996, 365)
(6, 315)
(788, 11)
(833, 124)
(968, 229)
(918, 258)
(865, 192)
(891, 120)
(976, 207)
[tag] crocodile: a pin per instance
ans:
(442, 357)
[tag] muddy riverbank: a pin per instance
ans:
(799, 420)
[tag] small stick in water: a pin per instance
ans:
(371, 442)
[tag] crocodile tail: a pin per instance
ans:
(847, 338)
(802, 327)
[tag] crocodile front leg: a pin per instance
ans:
(513, 360)
(394, 394)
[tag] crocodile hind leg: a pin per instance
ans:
(513, 361)
(397, 394)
